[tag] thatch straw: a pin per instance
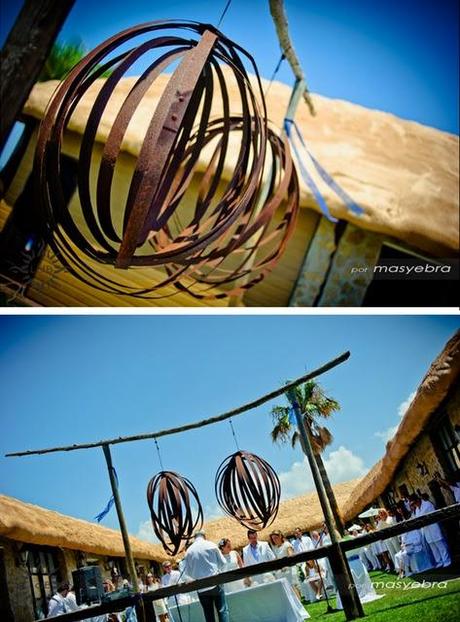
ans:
(395, 169)
(304, 512)
(33, 524)
(443, 374)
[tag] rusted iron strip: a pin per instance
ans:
(159, 140)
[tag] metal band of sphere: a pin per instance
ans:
(248, 489)
(175, 509)
(230, 231)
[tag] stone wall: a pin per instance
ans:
(422, 453)
(18, 583)
(17, 575)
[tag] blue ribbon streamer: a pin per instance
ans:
(340, 192)
(292, 417)
(109, 505)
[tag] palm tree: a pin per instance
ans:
(314, 405)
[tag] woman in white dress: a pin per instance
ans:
(315, 577)
(233, 561)
(392, 544)
(159, 606)
(283, 548)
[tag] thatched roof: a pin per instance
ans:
(404, 175)
(33, 524)
(443, 374)
(304, 512)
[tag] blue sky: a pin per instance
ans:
(396, 56)
(72, 379)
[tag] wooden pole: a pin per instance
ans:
(198, 424)
(343, 578)
(121, 519)
(24, 54)
(282, 30)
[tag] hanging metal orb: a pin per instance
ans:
(175, 510)
(230, 230)
(248, 489)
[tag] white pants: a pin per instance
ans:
(440, 552)
(402, 561)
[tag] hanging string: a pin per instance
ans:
(233, 434)
(223, 12)
(277, 68)
(159, 454)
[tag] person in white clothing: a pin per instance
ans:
(283, 548)
(58, 603)
(432, 533)
(203, 559)
(452, 485)
(232, 562)
(256, 552)
(169, 578)
(301, 544)
(159, 606)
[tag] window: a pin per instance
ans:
(44, 577)
(448, 443)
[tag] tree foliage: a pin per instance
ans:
(314, 405)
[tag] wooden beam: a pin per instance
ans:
(198, 424)
(24, 54)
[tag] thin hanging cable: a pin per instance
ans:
(277, 68)
(234, 435)
(223, 12)
(159, 454)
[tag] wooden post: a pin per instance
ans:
(24, 54)
(344, 581)
(121, 519)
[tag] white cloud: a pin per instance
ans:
(341, 465)
(212, 511)
(145, 532)
(388, 434)
(402, 408)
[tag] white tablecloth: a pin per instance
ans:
(362, 581)
(269, 602)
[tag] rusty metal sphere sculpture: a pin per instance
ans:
(187, 233)
(175, 509)
(248, 489)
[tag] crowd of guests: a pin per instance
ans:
(413, 551)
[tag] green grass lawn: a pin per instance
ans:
(438, 603)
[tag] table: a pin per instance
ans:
(270, 602)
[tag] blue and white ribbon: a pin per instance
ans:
(109, 505)
(340, 192)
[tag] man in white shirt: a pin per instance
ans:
(255, 553)
(301, 543)
(432, 533)
(169, 578)
(58, 603)
(204, 559)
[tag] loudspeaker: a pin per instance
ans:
(88, 585)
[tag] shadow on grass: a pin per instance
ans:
(412, 602)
